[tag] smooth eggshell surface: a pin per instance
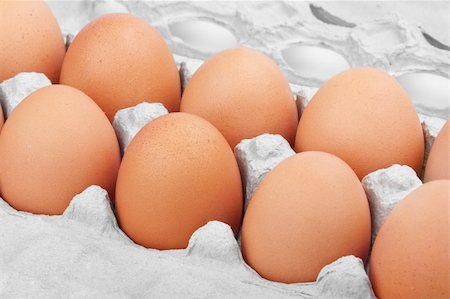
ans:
(438, 164)
(308, 211)
(55, 144)
(243, 94)
(120, 61)
(2, 118)
(30, 40)
(177, 174)
(364, 117)
(410, 257)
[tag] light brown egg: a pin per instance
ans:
(30, 40)
(120, 61)
(364, 117)
(438, 164)
(243, 94)
(308, 211)
(2, 119)
(56, 143)
(410, 257)
(177, 174)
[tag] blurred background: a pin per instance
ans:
(310, 41)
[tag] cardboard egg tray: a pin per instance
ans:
(84, 254)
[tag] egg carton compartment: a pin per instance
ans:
(309, 41)
(127, 122)
(86, 247)
(83, 253)
(14, 90)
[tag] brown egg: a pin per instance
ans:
(364, 117)
(410, 257)
(438, 164)
(308, 211)
(120, 61)
(30, 40)
(177, 174)
(2, 119)
(56, 143)
(243, 94)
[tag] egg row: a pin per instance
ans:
(179, 172)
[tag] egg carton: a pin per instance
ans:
(84, 254)
(406, 40)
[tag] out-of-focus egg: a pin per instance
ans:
(177, 174)
(30, 40)
(438, 164)
(364, 117)
(243, 94)
(56, 143)
(120, 61)
(308, 211)
(410, 257)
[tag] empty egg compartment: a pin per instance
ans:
(84, 253)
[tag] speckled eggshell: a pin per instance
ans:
(308, 211)
(438, 164)
(410, 257)
(243, 94)
(56, 143)
(120, 61)
(30, 40)
(177, 174)
(366, 118)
